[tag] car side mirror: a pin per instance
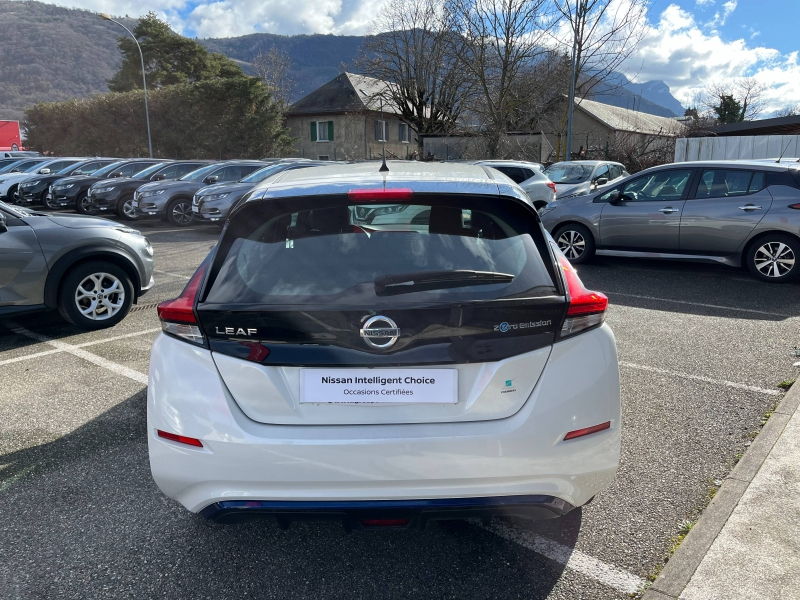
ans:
(601, 181)
(615, 197)
(160, 177)
(113, 175)
(44, 171)
(78, 172)
(211, 179)
(3, 226)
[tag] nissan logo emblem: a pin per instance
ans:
(370, 332)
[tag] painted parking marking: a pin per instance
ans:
(187, 277)
(731, 384)
(81, 353)
(575, 560)
(11, 361)
(717, 306)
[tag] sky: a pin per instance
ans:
(689, 43)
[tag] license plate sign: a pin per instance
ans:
(379, 386)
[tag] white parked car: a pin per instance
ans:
(313, 368)
(580, 177)
(10, 181)
(529, 176)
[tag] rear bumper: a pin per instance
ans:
(519, 456)
(417, 513)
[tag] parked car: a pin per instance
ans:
(91, 270)
(116, 195)
(35, 189)
(17, 165)
(10, 181)
(310, 369)
(213, 203)
(581, 177)
(172, 200)
(72, 192)
(729, 212)
(20, 154)
(10, 138)
(529, 176)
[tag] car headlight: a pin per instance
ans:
(64, 187)
(213, 197)
(148, 247)
(147, 194)
(575, 195)
(103, 190)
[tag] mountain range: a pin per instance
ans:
(50, 53)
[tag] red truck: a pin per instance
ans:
(9, 136)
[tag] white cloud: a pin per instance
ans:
(720, 18)
(704, 2)
(677, 51)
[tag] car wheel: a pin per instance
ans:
(95, 295)
(84, 205)
(47, 203)
(125, 208)
(179, 212)
(11, 194)
(774, 258)
(14, 147)
(576, 242)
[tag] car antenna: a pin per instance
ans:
(782, 153)
(383, 168)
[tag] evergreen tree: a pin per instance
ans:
(169, 59)
(729, 110)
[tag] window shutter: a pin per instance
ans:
(313, 131)
(400, 135)
(330, 131)
(378, 130)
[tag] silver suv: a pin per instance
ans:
(91, 270)
(728, 212)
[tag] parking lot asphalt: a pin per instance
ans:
(702, 349)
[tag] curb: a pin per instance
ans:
(676, 574)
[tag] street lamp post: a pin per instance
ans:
(106, 17)
(571, 107)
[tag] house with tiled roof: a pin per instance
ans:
(342, 120)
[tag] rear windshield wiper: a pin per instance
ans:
(405, 283)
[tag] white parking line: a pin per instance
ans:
(732, 384)
(733, 308)
(11, 361)
(171, 274)
(607, 574)
(80, 353)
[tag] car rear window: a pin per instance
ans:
(329, 251)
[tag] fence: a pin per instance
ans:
(737, 147)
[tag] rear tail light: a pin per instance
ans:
(587, 430)
(177, 316)
(380, 195)
(552, 186)
(181, 439)
(795, 206)
(587, 309)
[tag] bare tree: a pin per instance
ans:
(410, 49)
(787, 111)
(497, 41)
(603, 35)
(274, 67)
(743, 96)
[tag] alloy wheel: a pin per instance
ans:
(100, 296)
(182, 213)
(571, 243)
(128, 211)
(774, 259)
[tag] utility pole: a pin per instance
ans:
(105, 17)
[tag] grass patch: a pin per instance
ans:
(786, 384)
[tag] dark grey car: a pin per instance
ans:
(729, 212)
(213, 203)
(172, 200)
(91, 270)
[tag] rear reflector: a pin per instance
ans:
(380, 194)
(385, 522)
(177, 316)
(181, 439)
(587, 430)
(795, 206)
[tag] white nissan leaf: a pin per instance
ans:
(314, 368)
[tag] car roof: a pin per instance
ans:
(591, 163)
(759, 163)
(423, 177)
(508, 163)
